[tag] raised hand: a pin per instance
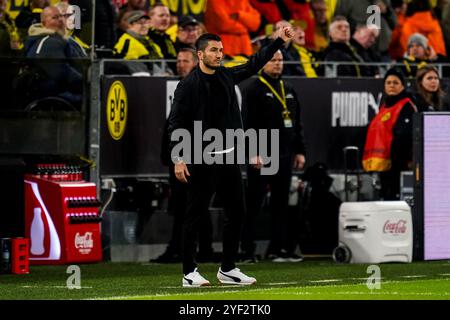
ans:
(285, 33)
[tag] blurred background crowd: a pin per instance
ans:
(411, 32)
(333, 38)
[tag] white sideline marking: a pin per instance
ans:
(394, 293)
(325, 281)
(412, 277)
(51, 287)
(209, 287)
(305, 292)
(237, 286)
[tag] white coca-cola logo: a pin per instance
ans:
(395, 227)
(84, 243)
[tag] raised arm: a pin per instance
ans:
(259, 60)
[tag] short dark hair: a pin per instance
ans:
(202, 42)
(191, 51)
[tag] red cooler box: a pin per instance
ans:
(62, 221)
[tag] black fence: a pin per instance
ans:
(40, 115)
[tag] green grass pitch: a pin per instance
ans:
(309, 280)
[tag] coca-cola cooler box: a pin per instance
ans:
(375, 232)
(62, 221)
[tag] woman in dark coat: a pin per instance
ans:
(430, 95)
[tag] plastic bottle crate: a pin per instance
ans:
(20, 248)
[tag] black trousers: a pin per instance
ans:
(283, 234)
(178, 201)
(390, 184)
(226, 180)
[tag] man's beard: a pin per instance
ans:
(206, 63)
(63, 32)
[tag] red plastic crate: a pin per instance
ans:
(20, 263)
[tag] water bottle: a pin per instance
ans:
(293, 192)
(5, 251)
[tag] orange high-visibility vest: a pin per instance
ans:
(377, 151)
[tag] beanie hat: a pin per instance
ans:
(395, 72)
(419, 39)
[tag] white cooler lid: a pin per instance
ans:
(374, 206)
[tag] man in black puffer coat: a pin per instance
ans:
(340, 50)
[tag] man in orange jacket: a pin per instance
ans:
(232, 20)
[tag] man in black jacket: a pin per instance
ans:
(186, 61)
(272, 103)
(207, 94)
(188, 32)
(363, 40)
(340, 50)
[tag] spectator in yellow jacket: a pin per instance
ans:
(134, 43)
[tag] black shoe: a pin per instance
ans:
(281, 256)
(284, 256)
(249, 258)
(271, 256)
(167, 257)
(295, 258)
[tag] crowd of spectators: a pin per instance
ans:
(332, 38)
(412, 33)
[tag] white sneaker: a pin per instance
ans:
(235, 276)
(195, 280)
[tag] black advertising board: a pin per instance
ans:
(335, 114)
(137, 150)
